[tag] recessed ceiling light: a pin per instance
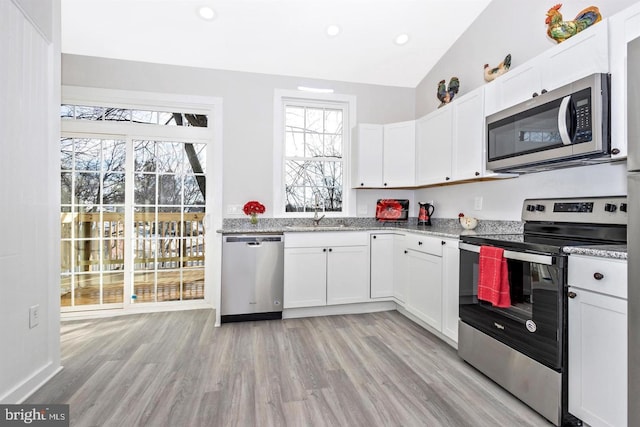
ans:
(402, 39)
(206, 13)
(314, 89)
(333, 30)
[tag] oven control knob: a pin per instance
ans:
(623, 207)
(540, 208)
(610, 207)
(531, 208)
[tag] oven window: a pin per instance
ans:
(534, 290)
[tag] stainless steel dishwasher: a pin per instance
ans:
(252, 277)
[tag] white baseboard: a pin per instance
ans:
(21, 392)
(332, 310)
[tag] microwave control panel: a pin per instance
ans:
(582, 108)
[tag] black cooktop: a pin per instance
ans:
(550, 238)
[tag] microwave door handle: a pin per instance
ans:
(518, 256)
(562, 120)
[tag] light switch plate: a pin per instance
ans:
(34, 316)
(477, 203)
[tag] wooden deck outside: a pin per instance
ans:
(171, 244)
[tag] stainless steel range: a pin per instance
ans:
(523, 346)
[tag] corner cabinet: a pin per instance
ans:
(597, 300)
(431, 265)
(325, 268)
(450, 141)
(383, 155)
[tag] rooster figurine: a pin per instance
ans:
(491, 73)
(560, 30)
(446, 94)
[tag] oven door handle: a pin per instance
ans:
(518, 256)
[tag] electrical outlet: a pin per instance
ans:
(477, 203)
(234, 209)
(34, 316)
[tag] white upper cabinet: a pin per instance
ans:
(398, 155)
(584, 54)
(434, 139)
(623, 27)
(367, 155)
(468, 136)
(450, 141)
(383, 155)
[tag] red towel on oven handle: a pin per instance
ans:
(493, 277)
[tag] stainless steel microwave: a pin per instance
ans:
(564, 127)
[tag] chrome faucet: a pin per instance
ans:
(316, 218)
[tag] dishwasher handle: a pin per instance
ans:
(253, 240)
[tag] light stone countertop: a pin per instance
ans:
(442, 227)
(601, 251)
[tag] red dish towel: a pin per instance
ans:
(493, 277)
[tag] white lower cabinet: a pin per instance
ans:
(305, 277)
(382, 265)
(432, 269)
(400, 283)
(417, 271)
(325, 268)
(347, 274)
(598, 341)
(424, 279)
(450, 288)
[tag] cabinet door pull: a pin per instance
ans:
(330, 250)
(442, 242)
(375, 237)
(406, 252)
(324, 250)
(362, 184)
(615, 151)
(572, 295)
(446, 178)
(419, 243)
(598, 276)
(385, 184)
(477, 173)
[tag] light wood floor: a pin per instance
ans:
(176, 369)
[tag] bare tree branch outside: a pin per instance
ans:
(313, 158)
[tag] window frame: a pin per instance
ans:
(211, 135)
(347, 103)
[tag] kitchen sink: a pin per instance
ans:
(316, 227)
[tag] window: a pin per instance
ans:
(313, 146)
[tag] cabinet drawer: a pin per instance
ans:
(326, 238)
(603, 275)
(426, 244)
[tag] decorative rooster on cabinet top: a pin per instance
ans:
(445, 94)
(560, 30)
(490, 73)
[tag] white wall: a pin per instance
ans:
(248, 115)
(505, 26)
(29, 195)
(515, 27)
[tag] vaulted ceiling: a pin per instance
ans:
(284, 37)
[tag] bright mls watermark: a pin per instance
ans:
(34, 415)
